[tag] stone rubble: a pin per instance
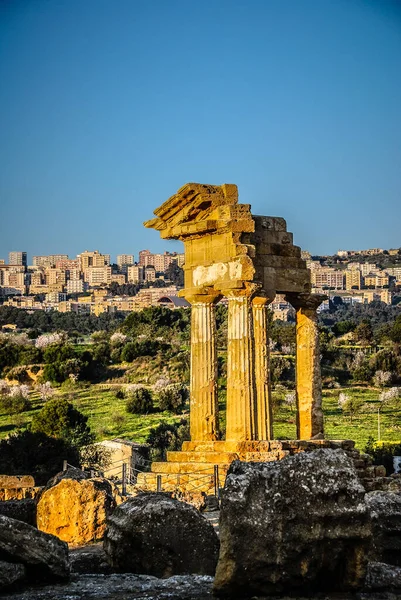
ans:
(299, 525)
(154, 534)
(44, 556)
(76, 509)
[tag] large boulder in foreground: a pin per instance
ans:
(22, 510)
(10, 573)
(385, 509)
(296, 526)
(154, 534)
(44, 556)
(76, 510)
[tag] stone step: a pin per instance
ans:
(227, 446)
(217, 458)
(189, 467)
(214, 458)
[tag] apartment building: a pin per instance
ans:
(82, 308)
(76, 286)
(327, 277)
(160, 262)
(97, 275)
(119, 278)
(367, 268)
(55, 276)
(74, 275)
(135, 274)
(151, 295)
(49, 260)
(385, 296)
(17, 258)
(353, 279)
(56, 297)
(125, 260)
(395, 272)
(89, 259)
(13, 277)
(150, 273)
(70, 264)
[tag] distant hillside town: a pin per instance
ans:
(90, 284)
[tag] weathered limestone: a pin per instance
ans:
(241, 409)
(44, 555)
(293, 527)
(156, 535)
(203, 397)
(264, 415)
(76, 510)
(308, 380)
(247, 259)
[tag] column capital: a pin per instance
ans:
(263, 298)
(249, 290)
(200, 295)
(305, 300)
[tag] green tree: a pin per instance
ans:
(173, 397)
(395, 333)
(364, 332)
(59, 419)
(167, 437)
(139, 401)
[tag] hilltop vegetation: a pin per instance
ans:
(128, 376)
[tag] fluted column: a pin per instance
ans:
(241, 413)
(308, 378)
(204, 420)
(264, 419)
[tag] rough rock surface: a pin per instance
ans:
(10, 573)
(385, 508)
(381, 576)
(75, 510)
(44, 556)
(22, 510)
(122, 587)
(296, 526)
(156, 535)
(89, 560)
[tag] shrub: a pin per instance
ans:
(140, 401)
(45, 390)
(383, 453)
(383, 378)
(167, 437)
(350, 405)
(49, 339)
(14, 404)
(120, 394)
(173, 397)
(59, 419)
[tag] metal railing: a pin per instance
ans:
(123, 474)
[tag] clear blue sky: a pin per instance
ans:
(107, 107)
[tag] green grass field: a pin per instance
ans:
(108, 418)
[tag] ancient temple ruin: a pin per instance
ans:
(247, 259)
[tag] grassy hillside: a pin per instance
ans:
(108, 418)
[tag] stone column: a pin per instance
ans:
(204, 420)
(241, 409)
(308, 379)
(264, 419)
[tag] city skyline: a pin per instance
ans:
(109, 108)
